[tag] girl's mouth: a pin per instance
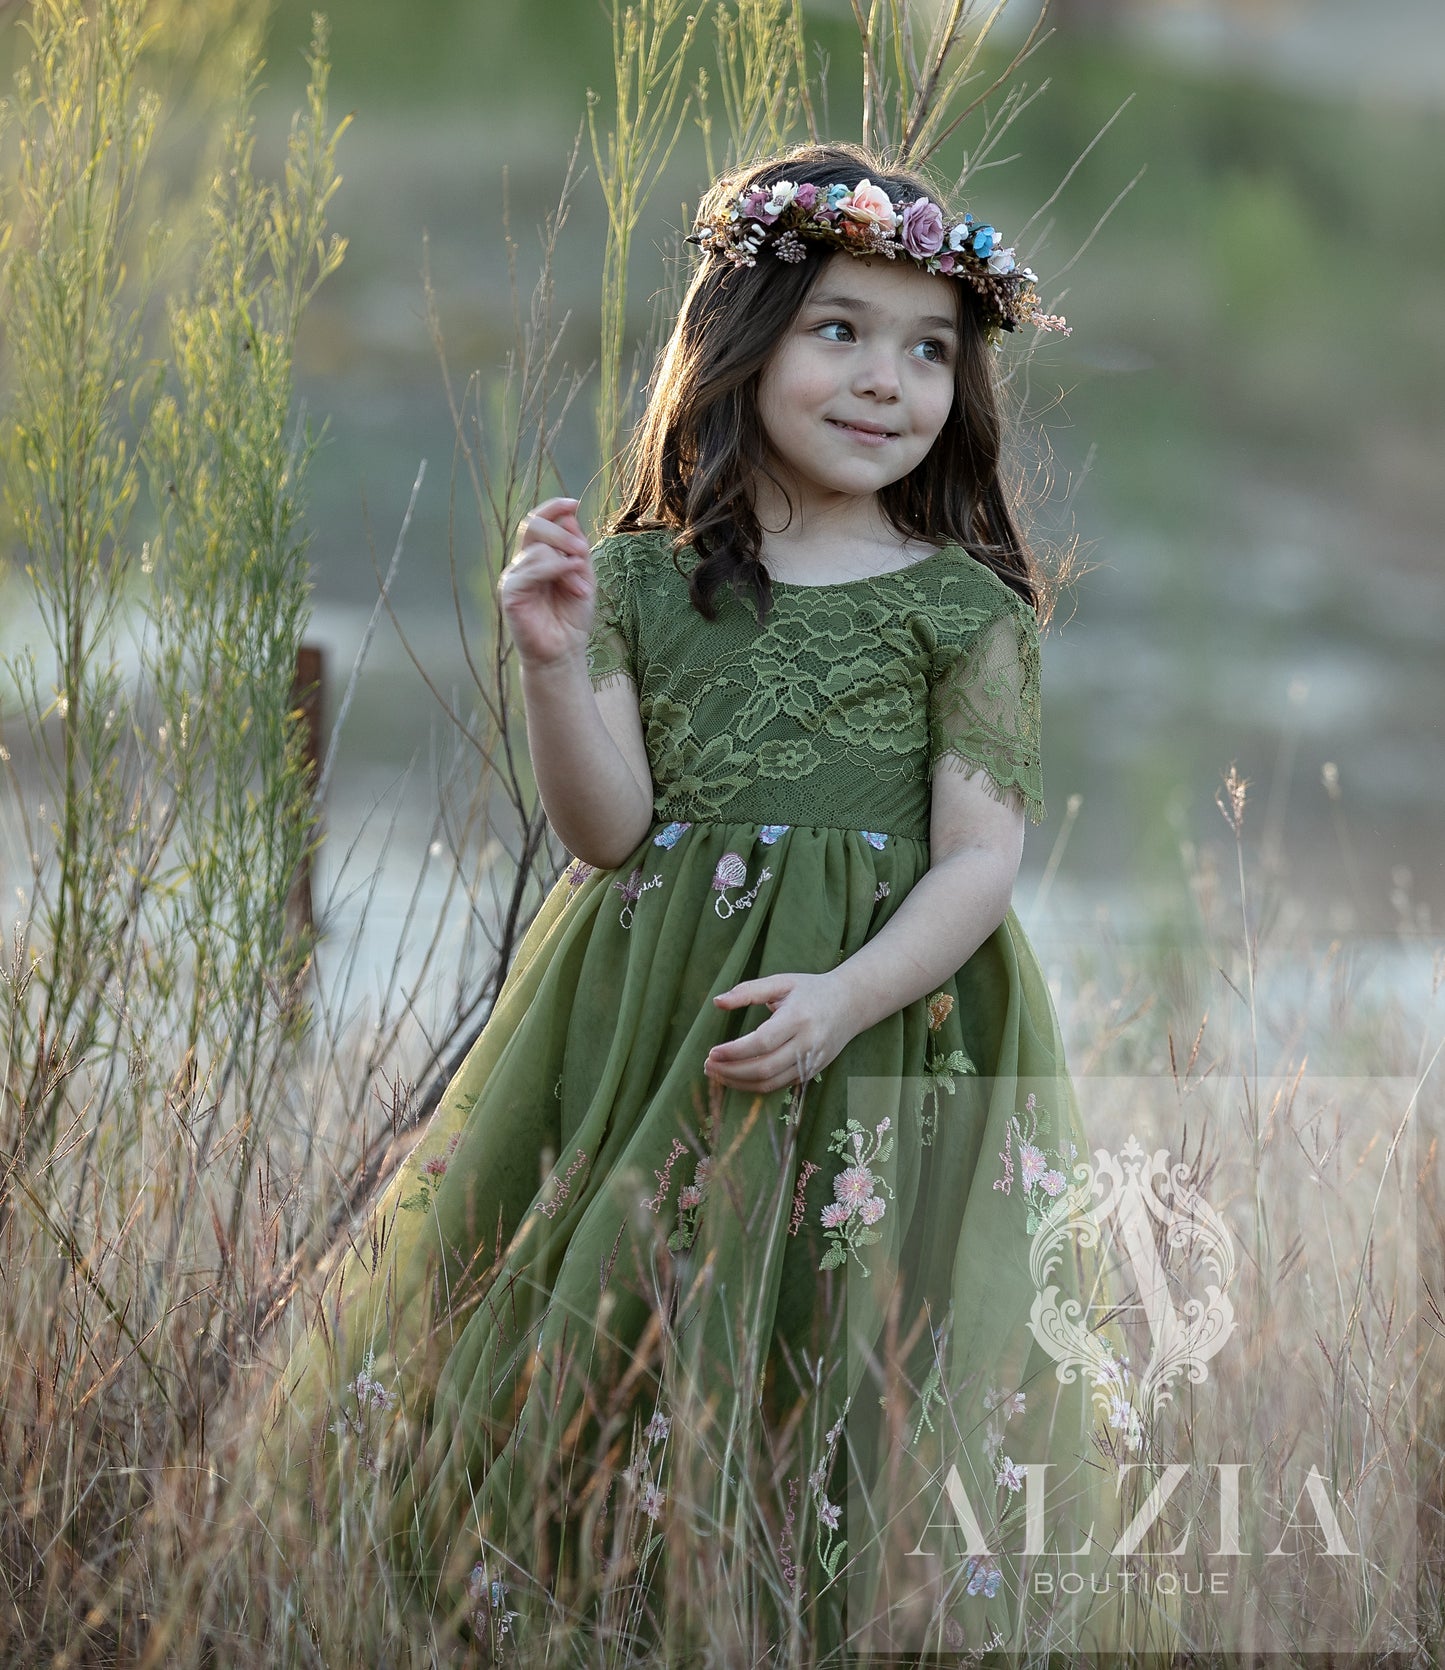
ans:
(870, 437)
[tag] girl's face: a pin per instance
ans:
(858, 390)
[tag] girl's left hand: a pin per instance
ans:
(807, 1029)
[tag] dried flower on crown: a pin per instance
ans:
(864, 220)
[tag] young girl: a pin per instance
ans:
(721, 1236)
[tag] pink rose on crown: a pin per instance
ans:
(922, 228)
(869, 205)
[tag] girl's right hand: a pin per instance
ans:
(548, 590)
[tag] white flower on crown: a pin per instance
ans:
(958, 236)
(1001, 261)
(781, 193)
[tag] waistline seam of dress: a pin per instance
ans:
(662, 819)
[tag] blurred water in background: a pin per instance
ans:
(1245, 427)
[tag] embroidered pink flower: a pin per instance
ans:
(1113, 1371)
(869, 205)
(651, 1500)
(1033, 1162)
(1011, 1475)
(690, 1196)
(853, 1186)
(858, 1192)
(940, 1007)
(829, 1513)
(922, 228)
(437, 1165)
(657, 1429)
(1052, 1183)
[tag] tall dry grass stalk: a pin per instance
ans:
(153, 981)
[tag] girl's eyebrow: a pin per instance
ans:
(933, 321)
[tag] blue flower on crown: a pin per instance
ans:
(838, 194)
(984, 240)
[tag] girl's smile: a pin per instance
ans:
(869, 433)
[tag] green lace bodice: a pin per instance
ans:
(837, 711)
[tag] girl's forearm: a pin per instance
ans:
(592, 799)
(950, 912)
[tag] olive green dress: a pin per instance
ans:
(613, 1319)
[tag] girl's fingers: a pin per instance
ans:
(750, 1047)
(552, 523)
(542, 565)
(749, 1072)
(538, 564)
(552, 508)
(758, 1084)
(767, 988)
(547, 536)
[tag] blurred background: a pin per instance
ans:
(1244, 430)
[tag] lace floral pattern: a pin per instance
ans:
(838, 710)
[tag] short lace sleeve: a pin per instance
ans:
(611, 640)
(983, 707)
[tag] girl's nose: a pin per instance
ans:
(877, 374)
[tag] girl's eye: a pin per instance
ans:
(836, 325)
(934, 350)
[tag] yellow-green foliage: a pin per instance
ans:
(151, 987)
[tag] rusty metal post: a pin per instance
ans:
(307, 697)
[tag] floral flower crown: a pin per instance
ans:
(864, 220)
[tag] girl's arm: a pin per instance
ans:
(589, 760)
(586, 746)
(975, 844)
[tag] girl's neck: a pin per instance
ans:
(841, 540)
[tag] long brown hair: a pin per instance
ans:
(692, 461)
